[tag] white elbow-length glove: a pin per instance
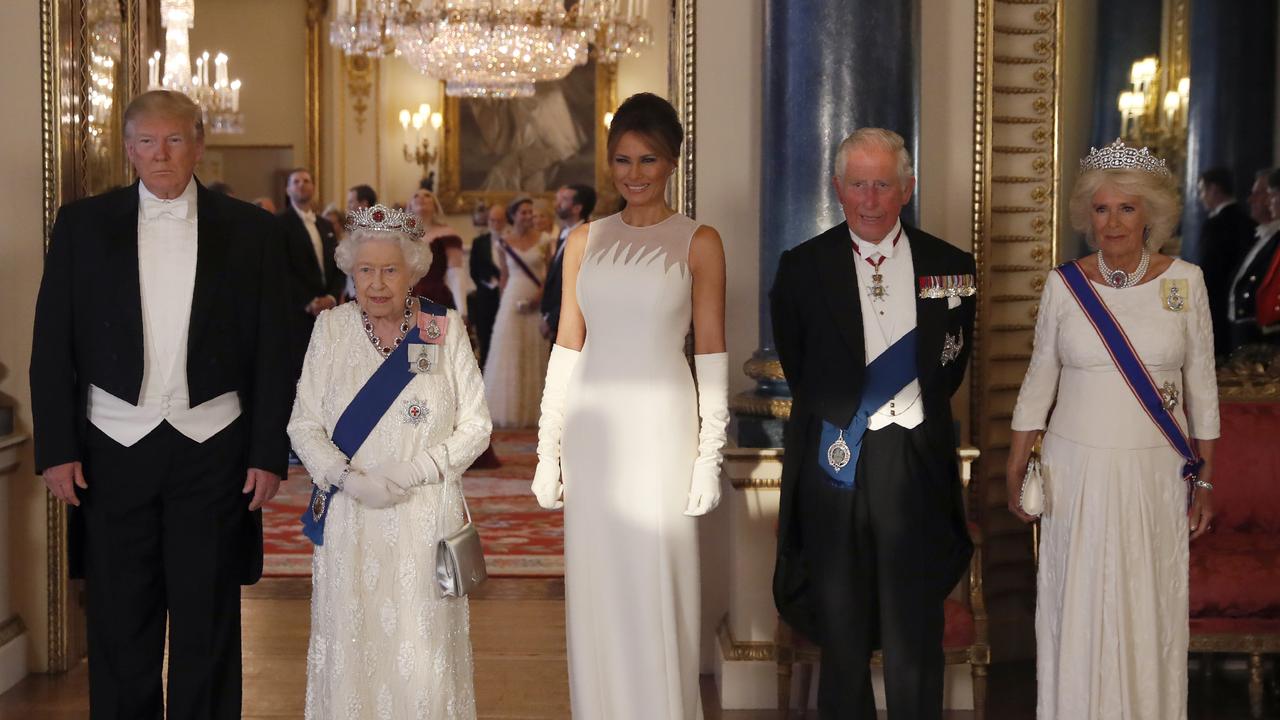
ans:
(456, 280)
(547, 485)
(713, 411)
(408, 474)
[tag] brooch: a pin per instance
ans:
(951, 347)
(934, 287)
(415, 411)
(1173, 294)
(1169, 396)
(317, 504)
(432, 328)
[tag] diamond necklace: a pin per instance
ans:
(1120, 278)
(404, 329)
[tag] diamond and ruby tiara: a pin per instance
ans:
(1118, 156)
(381, 217)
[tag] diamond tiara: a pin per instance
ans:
(1118, 156)
(381, 217)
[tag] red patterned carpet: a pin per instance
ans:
(520, 538)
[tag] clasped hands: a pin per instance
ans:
(704, 489)
(389, 484)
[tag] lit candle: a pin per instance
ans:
(404, 119)
(425, 111)
(436, 120)
(221, 62)
(199, 78)
(1172, 102)
(608, 116)
(204, 69)
(235, 95)
(152, 73)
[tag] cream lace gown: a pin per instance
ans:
(518, 353)
(630, 441)
(1111, 609)
(384, 644)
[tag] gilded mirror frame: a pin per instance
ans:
(63, 73)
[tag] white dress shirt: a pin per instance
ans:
(166, 277)
(309, 222)
(886, 320)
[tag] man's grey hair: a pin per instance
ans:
(878, 138)
(417, 253)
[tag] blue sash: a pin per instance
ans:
(356, 422)
(1130, 365)
(891, 371)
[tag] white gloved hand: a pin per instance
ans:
(547, 485)
(456, 280)
(409, 474)
(373, 491)
(713, 410)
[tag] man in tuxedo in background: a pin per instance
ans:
(574, 205)
(316, 283)
(1243, 299)
(1225, 238)
(160, 388)
(1260, 198)
(361, 196)
(484, 273)
(872, 533)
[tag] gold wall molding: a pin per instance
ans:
(359, 77)
(317, 36)
(742, 650)
(1017, 64)
(684, 84)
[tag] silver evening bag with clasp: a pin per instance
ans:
(460, 565)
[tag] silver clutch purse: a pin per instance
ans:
(460, 566)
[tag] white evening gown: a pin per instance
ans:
(1111, 607)
(518, 353)
(630, 441)
(384, 644)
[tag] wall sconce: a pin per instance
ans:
(419, 150)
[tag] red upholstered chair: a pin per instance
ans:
(1235, 570)
(964, 638)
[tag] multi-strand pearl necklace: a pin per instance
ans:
(1120, 278)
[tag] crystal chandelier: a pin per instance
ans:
(220, 99)
(492, 48)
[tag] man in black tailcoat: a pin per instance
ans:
(872, 533)
(160, 388)
(316, 283)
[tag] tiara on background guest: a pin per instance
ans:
(381, 217)
(1118, 156)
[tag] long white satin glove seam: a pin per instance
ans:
(713, 412)
(548, 486)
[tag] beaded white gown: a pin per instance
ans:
(384, 644)
(1111, 608)
(517, 361)
(630, 441)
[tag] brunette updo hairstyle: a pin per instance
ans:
(654, 118)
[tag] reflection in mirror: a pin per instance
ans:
(102, 95)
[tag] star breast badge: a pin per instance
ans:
(415, 411)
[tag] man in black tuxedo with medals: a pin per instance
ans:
(160, 390)
(1225, 238)
(873, 321)
(484, 272)
(574, 205)
(316, 282)
(1246, 283)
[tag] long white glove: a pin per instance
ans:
(713, 410)
(456, 280)
(409, 474)
(547, 485)
(372, 491)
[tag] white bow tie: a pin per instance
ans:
(153, 208)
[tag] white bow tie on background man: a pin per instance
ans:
(153, 208)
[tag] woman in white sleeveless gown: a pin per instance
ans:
(634, 468)
(1111, 600)
(517, 359)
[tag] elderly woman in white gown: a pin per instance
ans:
(384, 643)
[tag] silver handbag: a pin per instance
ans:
(1032, 496)
(460, 565)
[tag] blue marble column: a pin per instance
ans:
(1233, 91)
(830, 67)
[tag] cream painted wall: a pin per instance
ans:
(21, 260)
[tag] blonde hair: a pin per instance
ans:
(166, 103)
(886, 140)
(417, 253)
(1160, 202)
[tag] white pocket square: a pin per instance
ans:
(953, 302)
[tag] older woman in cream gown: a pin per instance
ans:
(1111, 605)
(384, 643)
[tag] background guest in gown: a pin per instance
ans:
(1111, 609)
(641, 447)
(869, 550)
(574, 205)
(316, 283)
(1243, 299)
(485, 276)
(1225, 238)
(544, 219)
(444, 282)
(410, 656)
(517, 358)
